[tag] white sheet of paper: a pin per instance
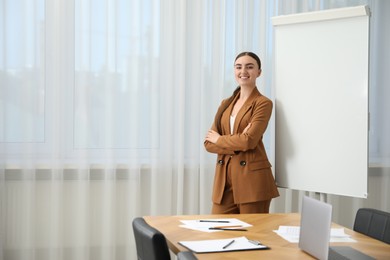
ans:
(196, 224)
(291, 234)
(217, 245)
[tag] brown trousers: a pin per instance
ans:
(228, 206)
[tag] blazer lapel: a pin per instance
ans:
(229, 112)
(245, 108)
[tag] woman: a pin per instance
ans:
(243, 181)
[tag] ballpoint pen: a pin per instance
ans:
(257, 243)
(228, 244)
(228, 229)
(214, 221)
(227, 226)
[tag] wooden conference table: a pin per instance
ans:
(261, 230)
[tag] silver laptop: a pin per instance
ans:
(314, 236)
(316, 220)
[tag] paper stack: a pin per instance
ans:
(215, 225)
(291, 234)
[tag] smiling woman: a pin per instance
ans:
(243, 181)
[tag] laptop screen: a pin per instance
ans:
(316, 220)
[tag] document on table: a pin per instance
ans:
(222, 245)
(291, 234)
(205, 224)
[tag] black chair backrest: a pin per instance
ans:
(186, 255)
(373, 223)
(151, 243)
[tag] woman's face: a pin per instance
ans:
(246, 71)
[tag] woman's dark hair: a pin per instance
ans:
(218, 116)
(251, 54)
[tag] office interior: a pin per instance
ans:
(105, 105)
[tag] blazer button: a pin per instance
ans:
(220, 162)
(243, 163)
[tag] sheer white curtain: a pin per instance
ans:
(104, 106)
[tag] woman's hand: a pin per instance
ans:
(212, 136)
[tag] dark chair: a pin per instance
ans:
(151, 243)
(373, 223)
(186, 255)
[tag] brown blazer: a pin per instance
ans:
(252, 178)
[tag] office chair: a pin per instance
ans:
(373, 223)
(186, 255)
(151, 243)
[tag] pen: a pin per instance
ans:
(228, 244)
(230, 229)
(216, 221)
(227, 226)
(257, 243)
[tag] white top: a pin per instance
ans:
(232, 119)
